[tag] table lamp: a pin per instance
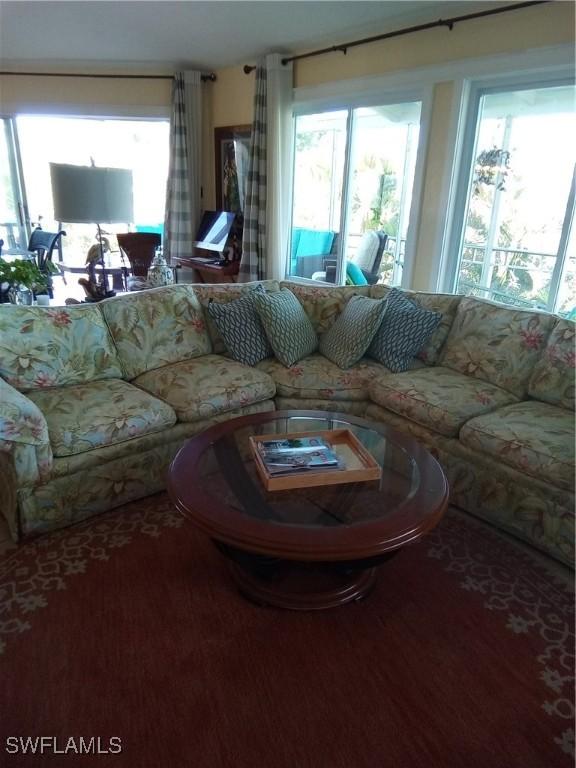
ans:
(91, 195)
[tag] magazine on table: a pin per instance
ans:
(287, 456)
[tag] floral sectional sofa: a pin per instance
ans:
(96, 399)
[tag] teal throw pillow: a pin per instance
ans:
(355, 274)
(289, 330)
(241, 329)
(404, 331)
(350, 336)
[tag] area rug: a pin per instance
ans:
(125, 643)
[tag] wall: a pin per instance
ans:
(83, 96)
(530, 28)
(229, 100)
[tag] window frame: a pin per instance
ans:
(122, 115)
(464, 137)
(350, 95)
(16, 175)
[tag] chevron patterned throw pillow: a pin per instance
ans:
(289, 330)
(241, 329)
(350, 336)
(404, 331)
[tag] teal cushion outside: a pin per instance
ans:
(350, 336)
(241, 328)
(404, 331)
(355, 274)
(287, 326)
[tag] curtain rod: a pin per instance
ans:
(210, 77)
(343, 47)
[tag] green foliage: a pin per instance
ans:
(309, 139)
(384, 210)
(22, 272)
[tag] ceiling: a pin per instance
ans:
(158, 35)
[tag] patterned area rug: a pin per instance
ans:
(124, 641)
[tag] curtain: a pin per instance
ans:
(184, 186)
(267, 195)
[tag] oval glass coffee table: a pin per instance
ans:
(306, 548)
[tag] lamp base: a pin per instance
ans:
(95, 291)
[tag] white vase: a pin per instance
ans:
(159, 272)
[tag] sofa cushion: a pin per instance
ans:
(446, 304)
(350, 336)
(535, 438)
(552, 379)
(155, 327)
(403, 332)
(87, 416)
(315, 377)
(323, 304)
(438, 398)
(287, 326)
(53, 347)
(222, 293)
(497, 344)
(205, 386)
(241, 328)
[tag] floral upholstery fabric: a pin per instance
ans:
(222, 293)
(103, 413)
(24, 435)
(438, 398)
(155, 327)
(53, 347)
(323, 304)
(316, 377)
(379, 291)
(528, 508)
(352, 407)
(553, 377)
(497, 344)
(446, 304)
(68, 465)
(98, 486)
(535, 438)
(206, 386)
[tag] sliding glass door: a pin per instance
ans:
(515, 232)
(353, 179)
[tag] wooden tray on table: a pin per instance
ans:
(360, 465)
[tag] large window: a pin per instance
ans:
(141, 145)
(513, 241)
(353, 179)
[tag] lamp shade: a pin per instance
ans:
(89, 195)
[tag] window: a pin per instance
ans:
(353, 179)
(513, 228)
(141, 145)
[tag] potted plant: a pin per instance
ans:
(20, 280)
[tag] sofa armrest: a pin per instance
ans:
(24, 435)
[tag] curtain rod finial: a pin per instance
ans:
(247, 69)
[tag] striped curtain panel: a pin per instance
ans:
(253, 263)
(183, 190)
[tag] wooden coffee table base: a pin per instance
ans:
(300, 586)
(304, 588)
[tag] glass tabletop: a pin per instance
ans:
(228, 473)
